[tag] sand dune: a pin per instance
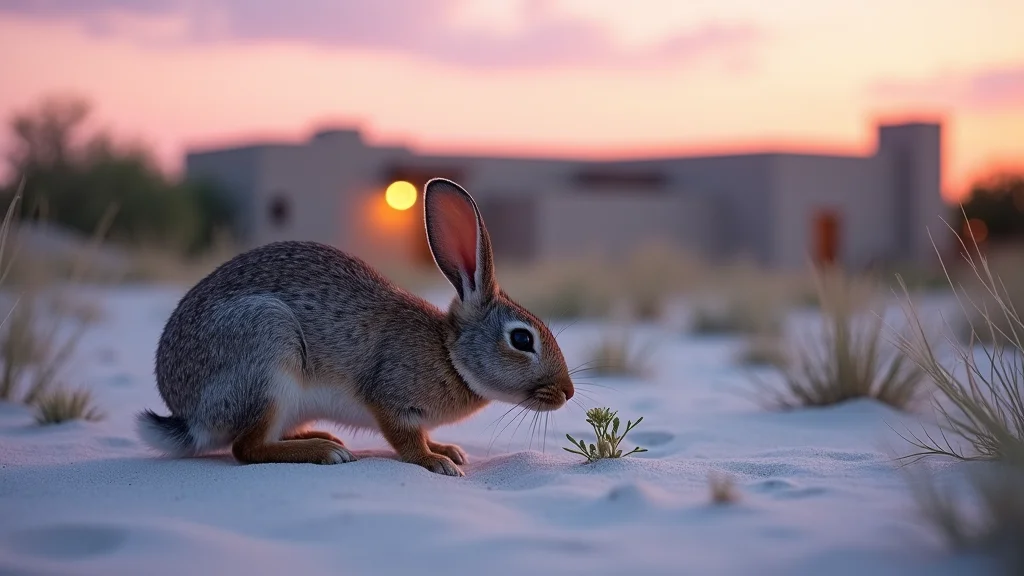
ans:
(818, 491)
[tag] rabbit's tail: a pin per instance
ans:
(168, 434)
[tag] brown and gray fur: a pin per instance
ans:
(293, 332)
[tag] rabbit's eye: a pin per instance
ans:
(521, 339)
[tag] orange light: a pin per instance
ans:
(400, 195)
(976, 229)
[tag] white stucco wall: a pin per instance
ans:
(853, 187)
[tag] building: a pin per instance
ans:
(777, 208)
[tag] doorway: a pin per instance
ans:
(827, 230)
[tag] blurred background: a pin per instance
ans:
(620, 152)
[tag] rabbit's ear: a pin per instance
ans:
(458, 239)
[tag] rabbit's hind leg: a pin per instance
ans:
(258, 445)
(307, 434)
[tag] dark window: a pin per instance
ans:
(602, 179)
(279, 210)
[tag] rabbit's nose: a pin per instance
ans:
(568, 390)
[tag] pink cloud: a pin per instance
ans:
(419, 27)
(995, 88)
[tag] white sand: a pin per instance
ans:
(818, 491)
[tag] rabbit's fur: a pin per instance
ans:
(293, 332)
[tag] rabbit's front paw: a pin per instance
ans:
(439, 464)
(457, 454)
(335, 453)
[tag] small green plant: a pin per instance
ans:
(607, 442)
(63, 405)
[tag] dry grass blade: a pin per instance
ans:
(66, 405)
(847, 361)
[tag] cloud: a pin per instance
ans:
(420, 27)
(990, 89)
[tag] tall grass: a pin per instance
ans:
(980, 404)
(984, 406)
(41, 330)
(848, 360)
(987, 518)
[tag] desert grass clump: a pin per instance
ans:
(718, 318)
(848, 360)
(984, 406)
(64, 405)
(607, 445)
(994, 523)
(764, 351)
(616, 354)
(742, 298)
(980, 403)
(723, 489)
(41, 330)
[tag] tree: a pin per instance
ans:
(72, 178)
(997, 202)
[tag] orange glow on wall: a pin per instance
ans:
(976, 230)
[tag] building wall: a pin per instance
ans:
(736, 195)
(236, 171)
(613, 225)
(911, 155)
(853, 188)
(721, 207)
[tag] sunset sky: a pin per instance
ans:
(586, 77)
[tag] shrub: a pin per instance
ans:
(63, 405)
(742, 298)
(985, 406)
(994, 526)
(848, 360)
(39, 335)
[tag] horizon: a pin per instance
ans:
(561, 78)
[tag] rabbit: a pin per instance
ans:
(293, 332)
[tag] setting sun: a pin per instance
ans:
(400, 195)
